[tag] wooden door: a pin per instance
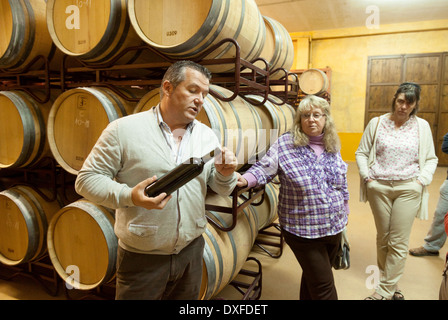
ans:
(384, 76)
(443, 112)
(385, 73)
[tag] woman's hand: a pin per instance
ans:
(241, 183)
(140, 199)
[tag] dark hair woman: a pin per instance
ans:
(396, 162)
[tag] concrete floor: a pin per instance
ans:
(422, 275)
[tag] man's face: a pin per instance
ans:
(185, 101)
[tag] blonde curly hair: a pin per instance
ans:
(331, 139)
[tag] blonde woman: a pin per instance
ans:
(313, 198)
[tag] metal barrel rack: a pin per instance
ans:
(236, 208)
(250, 290)
(273, 239)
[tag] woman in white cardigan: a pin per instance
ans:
(396, 162)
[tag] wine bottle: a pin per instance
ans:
(180, 175)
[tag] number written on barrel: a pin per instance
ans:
(171, 33)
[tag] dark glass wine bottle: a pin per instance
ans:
(180, 175)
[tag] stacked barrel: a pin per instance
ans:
(78, 236)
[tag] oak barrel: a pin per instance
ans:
(93, 31)
(23, 138)
(24, 217)
(82, 244)
(286, 109)
(273, 118)
(185, 29)
(236, 123)
(313, 81)
(77, 119)
(289, 113)
(149, 100)
(24, 34)
(225, 252)
(278, 48)
(268, 209)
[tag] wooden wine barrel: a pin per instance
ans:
(23, 138)
(290, 114)
(149, 100)
(185, 29)
(225, 252)
(268, 209)
(274, 121)
(24, 34)
(286, 110)
(93, 31)
(278, 49)
(313, 81)
(82, 244)
(77, 119)
(24, 217)
(236, 123)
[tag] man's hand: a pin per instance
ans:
(226, 162)
(139, 198)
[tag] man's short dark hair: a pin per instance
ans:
(176, 72)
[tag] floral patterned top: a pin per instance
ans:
(396, 151)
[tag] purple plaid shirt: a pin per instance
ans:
(313, 190)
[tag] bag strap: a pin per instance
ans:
(445, 271)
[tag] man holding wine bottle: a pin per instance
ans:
(160, 236)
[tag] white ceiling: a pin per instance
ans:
(308, 15)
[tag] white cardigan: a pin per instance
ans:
(132, 149)
(366, 156)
